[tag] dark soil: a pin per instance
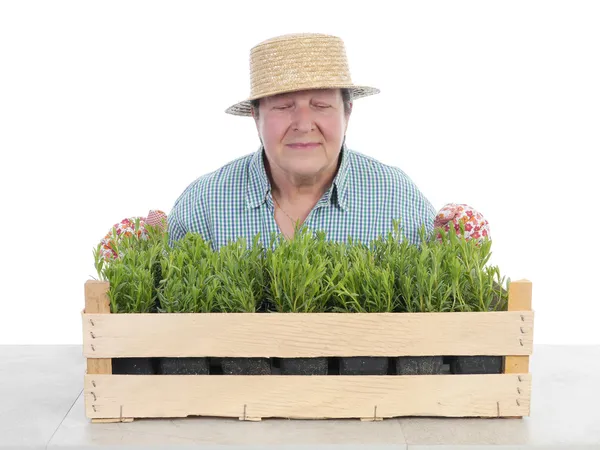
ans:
(134, 366)
(303, 366)
(476, 364)
(245, 366)
(419, 365)
(364, 365)
(183, 366)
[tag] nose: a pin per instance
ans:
(302, 119)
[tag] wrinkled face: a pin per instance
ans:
(302, 132)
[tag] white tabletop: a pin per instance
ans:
(41, 406)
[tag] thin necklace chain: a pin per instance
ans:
(281, 209)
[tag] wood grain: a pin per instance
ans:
(519, 299)
(97, 302)
(308, 397)
(307, 335)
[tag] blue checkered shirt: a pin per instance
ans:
(362, 202)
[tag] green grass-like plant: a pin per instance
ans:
(307, 273)
(297, 273)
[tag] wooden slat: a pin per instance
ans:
(519, 299)
(306, 397)
(96, 301)
(125, 419)
(306, 335)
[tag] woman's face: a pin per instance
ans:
(302, 132)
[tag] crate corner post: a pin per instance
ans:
(96, 302)
(520, 299)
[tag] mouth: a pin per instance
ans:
(304, 146)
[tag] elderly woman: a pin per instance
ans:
(303, 173)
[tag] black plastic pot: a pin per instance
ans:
(364, 365)
(183, 366)
(303, 366)
(476, 364)
(419, 365)
(134, 366)
(245, 366)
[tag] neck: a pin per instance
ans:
(295, 190)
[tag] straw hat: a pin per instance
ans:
(295, 62)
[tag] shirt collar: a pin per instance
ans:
(259, 185)
(340, 182)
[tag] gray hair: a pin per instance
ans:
(346, 98)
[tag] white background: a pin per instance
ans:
(110, 109)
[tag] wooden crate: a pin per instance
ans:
(110, 398)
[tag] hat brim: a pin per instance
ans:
(244, 108)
